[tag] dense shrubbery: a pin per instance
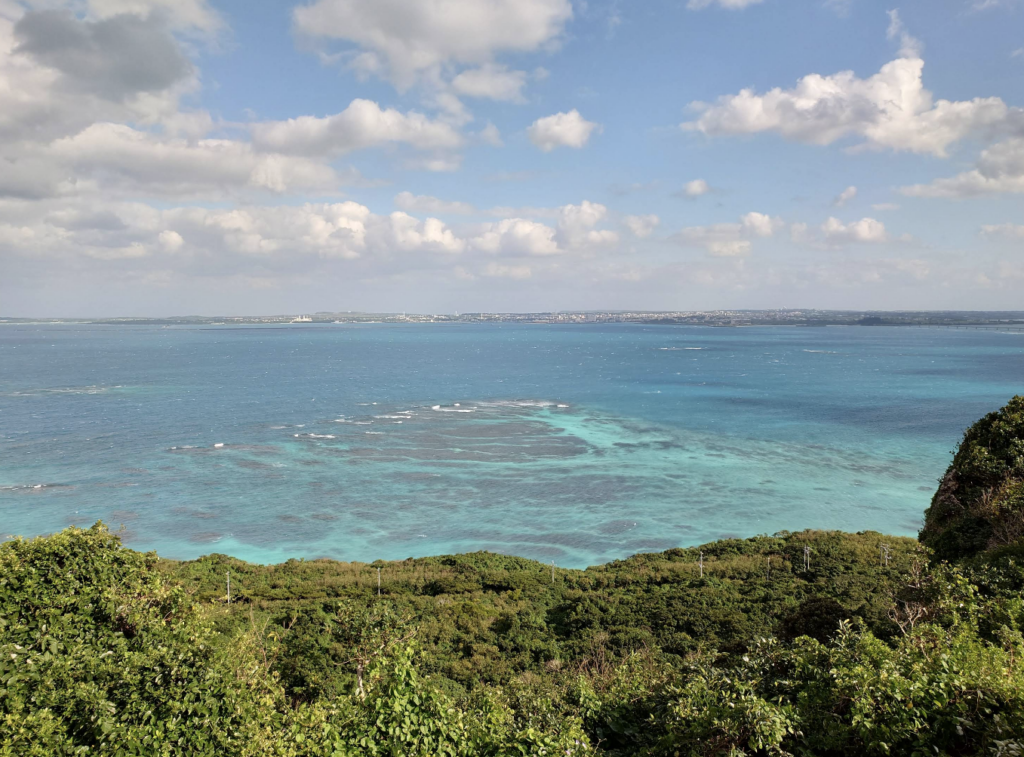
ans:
(980, 501)
(869, 650)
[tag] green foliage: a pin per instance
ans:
(99, 656)
(504, 616)
(980, 501)
(100, 653)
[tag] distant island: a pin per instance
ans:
(1013, 320)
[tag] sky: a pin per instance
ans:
(230, 157)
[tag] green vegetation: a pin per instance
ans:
(812, 643)
(980, 501)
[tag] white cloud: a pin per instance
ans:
(642, 226)
(910, 47)
(90, 105)
(695, 188)
(491, 80)
(696, 5)
(59, 74)
(891, 109)
(120, 156)
(362, 124)
(864, 230)
(427, 204)
(116, 59)
(845, 196)
(1005, 230)
(491, 136)
(1000, 168)
(575, 231)
(429, 235)
(275, 237)
(576, 226)
(760, 225)
(561, 130)
(403, 39)
(729, 239)
(517, 236)
(171, 240)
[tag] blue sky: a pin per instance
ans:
(184, 156)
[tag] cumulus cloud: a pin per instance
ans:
(274, 237)
(561, 130)
(1005, 231)
(431, 235)
(120, 156)
(90, 104)
(695, 188)
(404, 39)
(362, 124)
(642, 226)
(576, 226)
(1000, 168)
(727, 240)
(490, 135)
(574, 231)
(59, 74)
(116, 58)
(517, 236)
(865, 230)
(492, 81)
(889, 110)
(427, 204)
(845, 196)
(910, 47)
(170, 240)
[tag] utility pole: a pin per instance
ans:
(807, 558)
(768, 575)
(702, 565)
(378, 582)
(228, 574)
(552, 571)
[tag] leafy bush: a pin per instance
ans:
(980, 501)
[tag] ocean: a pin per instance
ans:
(571, 444)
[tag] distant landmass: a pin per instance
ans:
(722, 318)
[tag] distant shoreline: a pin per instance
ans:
(716, 318)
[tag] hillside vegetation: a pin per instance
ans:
(980, 502)
(811, 643)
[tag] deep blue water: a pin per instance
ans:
(576, 444)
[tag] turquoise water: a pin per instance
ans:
(576, 444)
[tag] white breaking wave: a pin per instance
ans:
(454, 409)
